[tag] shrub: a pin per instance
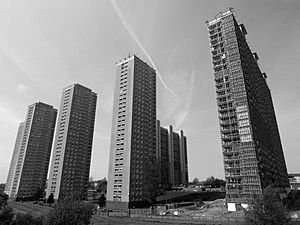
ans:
(6, 216)
(27, 219)
(267, 209)
(3, 200)
(71, 213)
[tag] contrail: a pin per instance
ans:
(184, 109)
(134, 36)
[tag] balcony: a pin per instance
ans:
(226, 115)
(213, 42)
(218, 68)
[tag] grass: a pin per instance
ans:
(37, 210)
(27, 207)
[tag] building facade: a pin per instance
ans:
(251, 145)
(133, 135)
(13, 162)
(71, 157)
(162, 155)
(294, 179)
(30, 160)
(171, 154)
(184, 178)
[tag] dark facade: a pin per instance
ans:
(176, 158)
(70, 166)
(31, 167)
(183, 159)
(251, 145)
(162, 155)
(133, 137)
(171, 154)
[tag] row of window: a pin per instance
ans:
(118, 172)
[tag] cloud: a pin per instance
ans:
(185, 104)
(135, 37)
(22, 88)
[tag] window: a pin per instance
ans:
(243, 123)
(246, 138)
(245, 130)
(243, 115)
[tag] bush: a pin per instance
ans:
(27, 219)
(71, 213)
(6, 216)
(102, 201)
(3, 200)
(65, 213)
(267, 209)
(50, 199)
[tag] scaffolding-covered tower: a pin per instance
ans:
(251, 145)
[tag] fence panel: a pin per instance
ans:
(145, 213)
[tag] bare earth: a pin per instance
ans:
(212, 211)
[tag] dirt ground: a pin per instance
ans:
(143, 221)
(210, 209)
(215, 208)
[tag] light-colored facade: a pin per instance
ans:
(13, 162)
(71, 157)
(133, 134)
(172, 156)
(294, 179)
(251, 145)
(33, 153)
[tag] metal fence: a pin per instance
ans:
(187, 217)
(145, 213)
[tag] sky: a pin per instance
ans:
(47, 45)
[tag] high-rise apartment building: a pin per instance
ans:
(133, 135)
(71, 157)
(172, 156)
(30, 160)
(184, 173)
(13, 162)
(251, 145)
(162, 155)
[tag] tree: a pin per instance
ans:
(214, 182)
(219, 183)
(50, 199)
(91, 184)
(267, 209)
(71, 213)
(101, 185)
(195, 181)
(77, 196)
(27, 219)
(2, 187)
(153, 188)
(102, 200)
(3, 200)
(6, 216)
(65, 213)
